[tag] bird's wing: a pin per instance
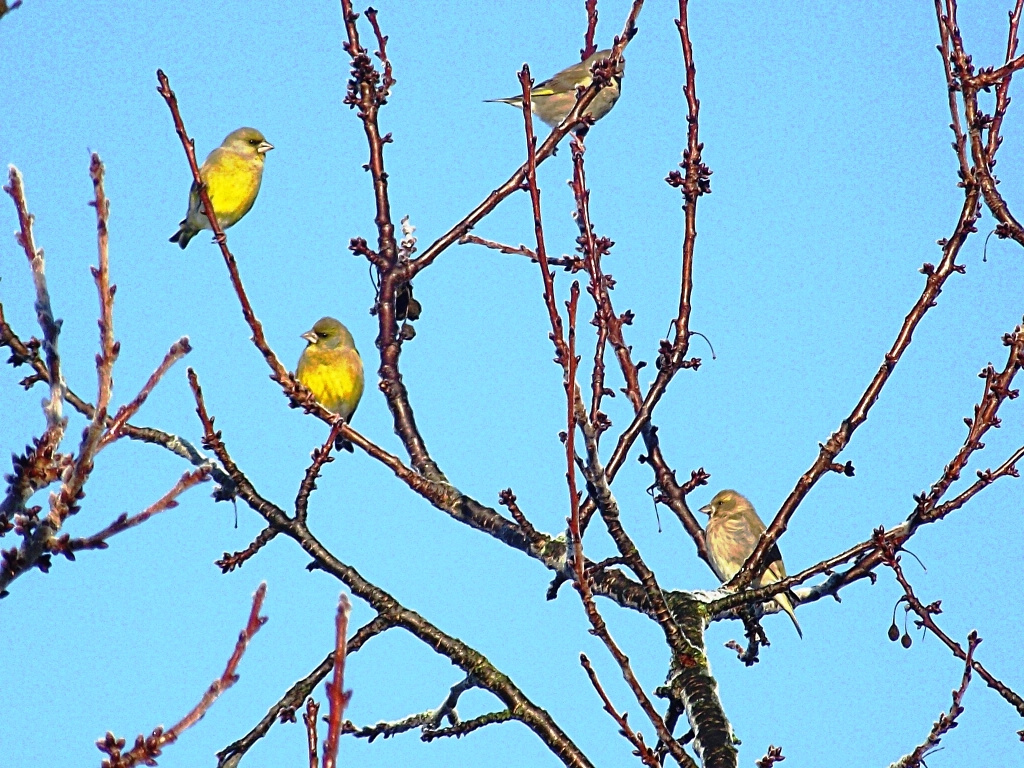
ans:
(775, 563)
(566, 80)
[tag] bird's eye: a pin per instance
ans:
(321, 334)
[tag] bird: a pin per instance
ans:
(554, 98)
(733, 531)
(232, 174)
(330, 367)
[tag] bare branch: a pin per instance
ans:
(147, 749)
(337, 696)
(284, 710)
(946, 721)
(460, 654)
(117, 426)
(309, 718)
(589, 46)
(44, 313)
(925, 613)
(67, 546)
(641, 750)
(429, 721)
(320, 456)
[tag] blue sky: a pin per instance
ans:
(826, 129)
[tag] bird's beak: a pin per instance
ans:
(309, 336)
(264, 147)
(706, 509)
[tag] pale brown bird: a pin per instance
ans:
(553, 99)
(732, 532)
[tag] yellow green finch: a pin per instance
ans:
(330, 367)
(732, 532)
(232, 174)
(553, 99)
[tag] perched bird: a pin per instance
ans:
(330, 367)
(232, 174)
(552, 100)
(732, 532)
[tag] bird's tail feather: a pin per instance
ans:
(182, 236)
(786, 605)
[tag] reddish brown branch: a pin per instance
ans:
(609, 325)
(570, 434)
(1003, 86)
(990, 76)
(507, 499)
(694, 183)
(280, 373)
(309, 718)
(116, 427)
(67, 546)
(997, 390)
(641, 750)
(517, 180)
(382, 42)
(589, 46)
(367, 91)
(320, 456)
(562, 356)
(565, 355)
(960, 77)
(947, 720)
(284, 709)
(232, 560)
(337, 696)
(147, 749)
(925, 613)
(837, 442)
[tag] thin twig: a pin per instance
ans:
(337, 696)
(947, 720)
(44, 313)
(67, 546)
(589, 46)
(429, 722)
(309, 719)
(147, 749)
(468, 659)
(936, 277)
(320, 456)
(116, 427)
(569, 263)
(925, 613)
(284, 709)
(280, 374)
(644, 752)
